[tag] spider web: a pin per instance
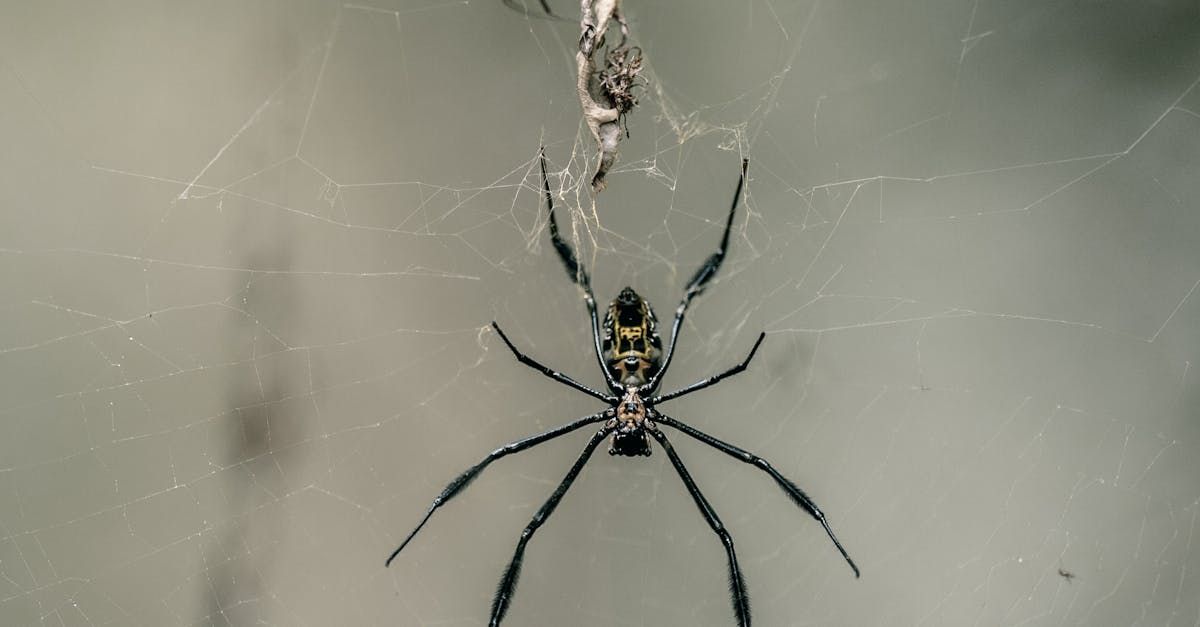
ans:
(250, 252)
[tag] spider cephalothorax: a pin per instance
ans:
(633, 361)
(631, 345)
(631, 425)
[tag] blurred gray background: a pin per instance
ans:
(249, 252)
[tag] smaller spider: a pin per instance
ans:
(632, 359)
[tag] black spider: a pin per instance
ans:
(630, 354)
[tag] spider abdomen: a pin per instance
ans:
(632, 347)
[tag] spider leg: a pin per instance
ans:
(737, 585)
(713, 380)
(578, 275)
(508, 583)
(797, 495)
(700, 280)
(557, 376)
(463, 480)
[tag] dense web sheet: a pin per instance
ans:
(249, 252)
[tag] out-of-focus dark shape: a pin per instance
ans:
(523, 9)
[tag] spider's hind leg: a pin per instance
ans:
(566, 254)
(700, 280)
(708, 269)
(578, 274)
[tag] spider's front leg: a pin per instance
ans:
(737, 584)
(508, 583)
(463, 480)
(798, 496)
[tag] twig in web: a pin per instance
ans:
(605, 96)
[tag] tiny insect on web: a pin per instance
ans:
(631, 356)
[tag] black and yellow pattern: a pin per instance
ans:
(632, 346)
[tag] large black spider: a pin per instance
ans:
(631, 357)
